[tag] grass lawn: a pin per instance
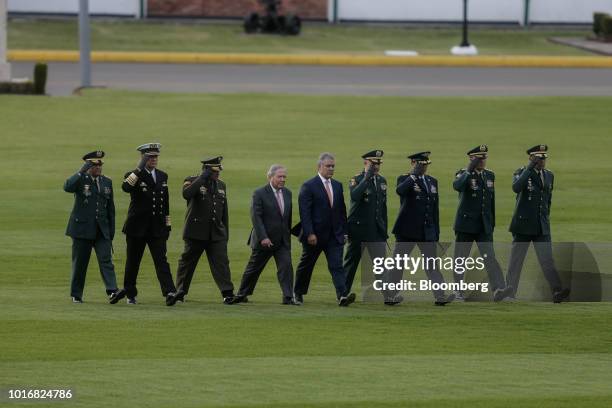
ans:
(315, 38)
(262, 354)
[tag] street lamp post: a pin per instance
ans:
(465, 48)
(84, 45)
(5, 67)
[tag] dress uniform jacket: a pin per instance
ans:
(367, 218)
(476, 211)
(149, 205)
(92, 208)
(207, 215)
(419, 214)
(533, 201)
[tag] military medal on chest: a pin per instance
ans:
(86, 192)
(203, 191)
(529, 187)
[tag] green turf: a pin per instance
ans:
(316, 37)
(262, 354)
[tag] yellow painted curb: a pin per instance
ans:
(316, 59)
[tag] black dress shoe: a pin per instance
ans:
(561, 295)
(239, 299)
(351, 298)
(170, 299)
(445, 301)
(299, 299)
(344, 301)
(76, 299)
(229, 300)
(180, 296)
(117, 296)
(394, 300)
(501, 294)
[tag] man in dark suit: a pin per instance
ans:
(206, 229)
(418, 222)
(323, 229)
(533, 185)
(475, 219)
(270, 236)
(147, 224)
(91, 224)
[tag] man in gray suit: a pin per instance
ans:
(270, 236)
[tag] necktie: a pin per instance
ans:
(279, 200)
(97, 180)
(329, 193)
(425, 182)
(153, 176)
(542, 177)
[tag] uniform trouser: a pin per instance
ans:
(257, 262)
(135, 250)
(543, 249)
(463, 246)
(353, 254)
(429, 250)
(216, 252)
(310, 254)
(81, 252)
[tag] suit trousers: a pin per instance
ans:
(428, 249)
(135, 250)
(463, 247)
(216, 252)
(310, 254)
(81, 252)
(543, 248)
(257, 262)
(354, 252)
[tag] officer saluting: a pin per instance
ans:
(206, 229)
(475, 220)
(91, 224)
(418, 222)
(147, 224)
(533, 186)
(367, 218)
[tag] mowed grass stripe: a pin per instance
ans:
(271, 380)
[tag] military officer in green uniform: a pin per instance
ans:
(475, 219)
(206, 229)
(367, 218)
(91, 224)
(533, 185)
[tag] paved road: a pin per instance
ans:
(406, 81)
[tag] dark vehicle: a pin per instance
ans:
(272, 22)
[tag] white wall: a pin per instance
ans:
(429, 10)
(512, 11)
(567, 11)
(117, 7)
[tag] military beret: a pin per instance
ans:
(421, 157)
(151, 149)
(479, 151)
(213, 162)
(374, 156)
(94, 157)
(538, 150)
